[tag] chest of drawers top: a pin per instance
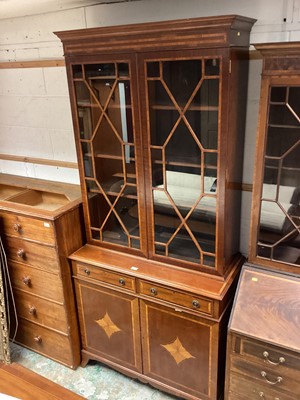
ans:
(267, 307)
(37, 197)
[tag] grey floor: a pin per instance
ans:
(94, 382)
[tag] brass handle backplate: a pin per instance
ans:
(21, 253)
(38, 339)
(279, 379)
(17, 227)
(281, 360)
(153, 291)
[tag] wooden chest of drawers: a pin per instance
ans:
(40, 225)
(263, 352)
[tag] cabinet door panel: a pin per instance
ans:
(179, 349)
(109, 324)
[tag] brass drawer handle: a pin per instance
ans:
(21, 253)
(87, 271)
(17, 227)
(279, 379)
(122, 281)
(195, 304)
(262, 396)
(281, 360)
(27, 280)
(38, 339)
(153, 291)
(32, 310)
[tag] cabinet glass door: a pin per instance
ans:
(183, 114)
(105, 119)
(279, 223)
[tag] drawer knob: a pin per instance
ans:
(281, 360)
(122, 281)
(32, 310)
(275, 382)
(87, 271)
(38, 339)
(195, 304)
(17, 227)
(153, 291)
(27, 280)
(21, 253)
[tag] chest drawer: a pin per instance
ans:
(271, 356)
(183, 299)
(242, 388)
(29, 253)
(27, 228)
(36, 281)
(40, 311)
(105, 276)
(280, 378)
(45, 341)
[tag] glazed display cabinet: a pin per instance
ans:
(159, 113)
(275, 239)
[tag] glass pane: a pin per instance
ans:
(279, 225)
(107, 142)
(98, 70)
(184, 218)
(181, 77)
(77, 71)
(212, 66)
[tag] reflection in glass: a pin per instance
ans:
(279, 225)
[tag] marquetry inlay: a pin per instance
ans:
(107, 325)
(177, 351)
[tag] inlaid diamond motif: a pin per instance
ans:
(107, 325)
(177, 351)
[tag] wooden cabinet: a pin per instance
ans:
(263, 354)
(40, 226)
(142, 319)
(158, 112)
(275, 213)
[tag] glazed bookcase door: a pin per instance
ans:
(278, 228)
(182, 126)
(107, 144)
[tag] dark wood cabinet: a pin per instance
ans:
(263, 354)
(159, 113)
(275, 239)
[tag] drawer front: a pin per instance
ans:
(29, 253)
(242, 388)
(36, 282)
(106, 276)
(270, 355)
(41, 311)
(45, 341)
(27, 228)
(277, 378)
(194, 303)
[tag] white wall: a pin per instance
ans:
(35, 117)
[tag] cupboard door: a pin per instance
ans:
(109, 324)
(106, 134)
(180, 350)
(279, 219)
(183, 123)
